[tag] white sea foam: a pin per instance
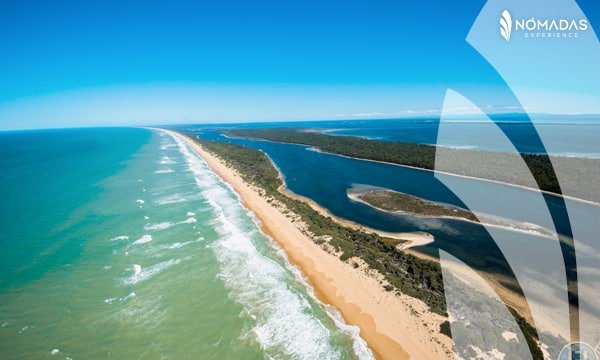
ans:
(359, 345)
(143, 240)
(144, 274)
(167, 161)
(168, 224)
(159, 226)
(137, 269)
(164, 171)
(120, 238)
(179, 245)
(110, 301)
(171, 199)
(167, 145)
(189, 213)
(54, 351)
(282, 316)
(140, 201)
(283, 320)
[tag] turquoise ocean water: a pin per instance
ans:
(121, 243)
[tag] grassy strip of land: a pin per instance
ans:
(398, 202)
(485, 165)
(406, 273)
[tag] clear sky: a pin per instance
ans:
(78, 63)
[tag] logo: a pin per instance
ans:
(505, 25)
(541, 28)
(577, 351)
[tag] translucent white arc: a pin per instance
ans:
(577, 80)
(462, 284)
(537, 265)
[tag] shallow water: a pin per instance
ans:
(163, 262)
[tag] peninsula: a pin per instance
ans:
(400, 203)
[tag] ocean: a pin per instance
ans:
(121, 243)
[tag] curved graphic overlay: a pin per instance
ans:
(480, 323)
(535, 260)
(544, 52)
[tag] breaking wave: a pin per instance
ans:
(140, 274)
(171, 199)
(168, 224)
(283, 319)
(165, 160)
(143, 240)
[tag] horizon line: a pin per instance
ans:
(467, 117)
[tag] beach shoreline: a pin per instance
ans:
(394, 327)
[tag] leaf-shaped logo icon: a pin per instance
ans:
(505, 25)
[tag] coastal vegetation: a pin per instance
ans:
(481, 164)
(404, 273)
(408, 274)
(394, 201)
(402, 203)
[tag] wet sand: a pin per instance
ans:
(394, 327)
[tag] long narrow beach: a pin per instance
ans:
(395, 327)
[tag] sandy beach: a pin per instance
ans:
(395, 327)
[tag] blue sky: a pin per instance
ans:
(77, 63)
